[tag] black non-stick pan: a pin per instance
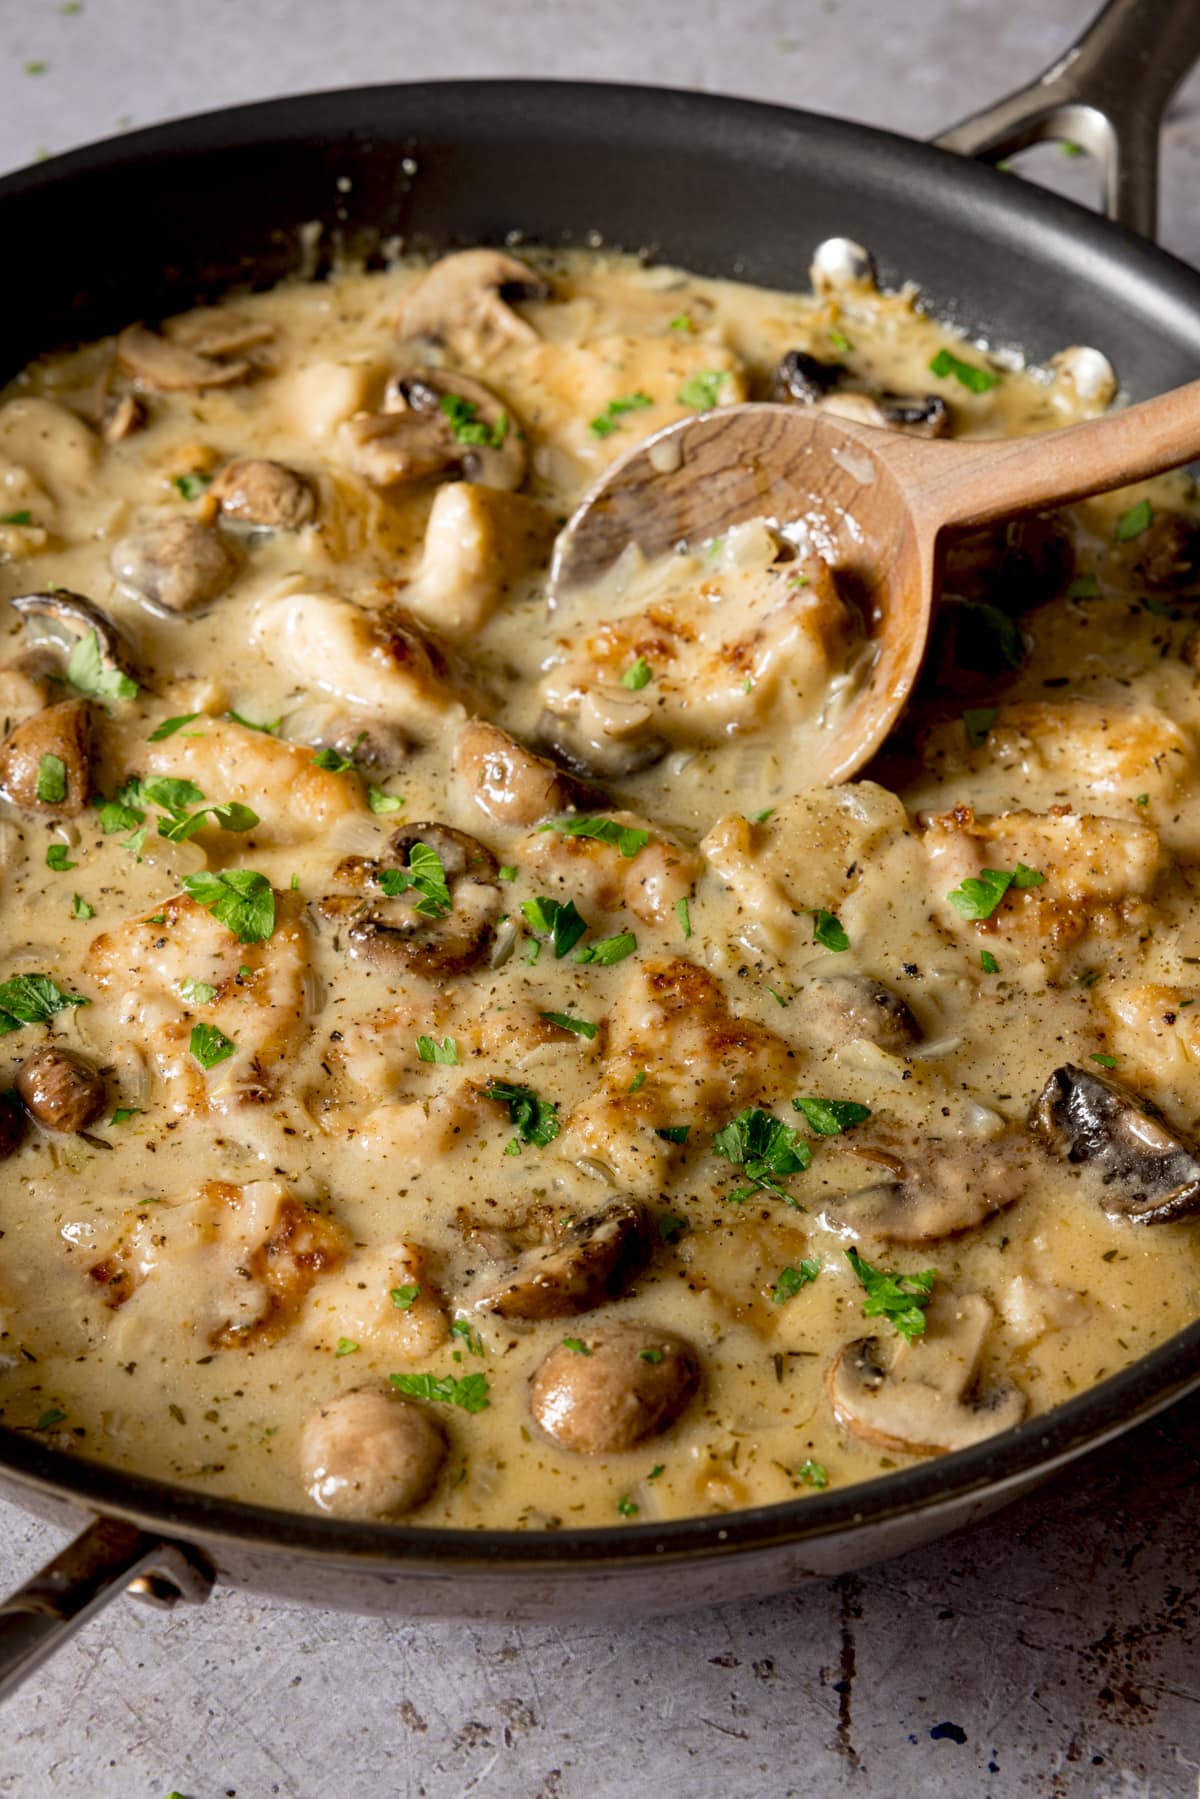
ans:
(152, 222)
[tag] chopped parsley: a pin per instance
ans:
(474, 1342)
(51, 780)
(638, 1081)
(50, 1418)
(80, 907)
(346, 1346)
(683, 913)
(1143, 799)
(986, 637)
(1083, 587)
(674, 1133)
(565, 1022)
(900, 1298)
(670, 1227)
(383, 803)
(681, 322)
(577, 1345)
(562, 924)
(536, 1119)
(425, 876)
(508, 871)
(470, 1393)
(813, 1474)
(840, 341)
(792, 1279)
(830, 1117)
(971, 376)
(628, 1507)
(334, 761)
(658, 1467)
(703, 389)
(628, 839)
(17, 518)
(1105, 1061)
(124, 1113)
(980, 894)
(87, 673)
(639, 674)
(169, 726)
(445, 1052)
(404, 1298)
(606, 422)
(607, 950)
(197, 993)
(33, 999)
(760, 818)
(988, 962)
(828, 931)
(209, 1046)
(468, 427)
(239, 898)
(765, 1149)
(268, 730)
(190, 487)
(977, 722)
(56, 859)
(1131, 524)
(653, 1356)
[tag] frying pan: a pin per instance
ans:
(161, 219)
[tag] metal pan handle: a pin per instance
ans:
(1107, 94)
(104, 1560)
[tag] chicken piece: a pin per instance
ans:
(230, 1264)
(384, 1301)
(727, 650)
(320, 397)
(1032, 1308)
(480, 543)
(295, 800)
(701, 1064)
(378, 661)
(1155, 1034)
(52, 445)
(601, 877)
(144, 965)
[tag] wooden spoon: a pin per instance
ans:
(874, 503)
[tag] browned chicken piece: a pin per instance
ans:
(603, 877)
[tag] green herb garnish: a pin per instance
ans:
(628, 839)
(703, 389)
(977, 722)
(562, 924)
(51, 780)
(426, 877)
(169, 726)
(638, 675)
(86, 671)
(813, 1474)
(470, 1393)
(683, 913)
(468, 427)
(765, 1149)
(238, 898)
(445, 1052)
(607, 421)
(988, 962)
(209, 1046)
(33, 999)
(577, 1345)
(1105, 1061)
(80, 907)
(607, 950)
(900, 1298)
(565, 1022)
(190, 487)
(968, 373)
(197, 993)
(792, 1279)
(56, 859)
(404, 1298)
(383, 803)
(828, 931)
(830, 1117)
(1131, 524)
(980, 894)
(345, 1346)
(536, 1119)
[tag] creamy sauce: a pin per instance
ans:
(184, 1287)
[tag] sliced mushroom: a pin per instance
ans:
(586, 1265)
(393, 933)
(625, 1383)
(1148, 1172)
(366, 1455)
(607, 736)
(45, 764)
(12, 1124)
(255, 491)
(60, 1089)
(463, 300)
(509, 783)
(436, 422)
(120, 416)
(174, 565)
(64, 619)
(170, 367)
(220, 331)
(804, 380)
(947, 1185)
(1164, 558)
(853, 1008)
(929, 1399)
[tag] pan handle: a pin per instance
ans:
(104, 1560)
(1107, 94)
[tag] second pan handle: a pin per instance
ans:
(1107, 94)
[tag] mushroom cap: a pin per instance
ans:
(60, 1089)
(852, 1008)
(169, 367)
(63, 732)
(579, 1271)
(609, 1397)
(463, 300)
(368, 1455)
(63, 618)
(174, 565)
(927, 1401)
(391, 932)
(258, 492)
(944, 1185)
(1148, 1172)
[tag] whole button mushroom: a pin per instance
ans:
(262, 494)
(610, 1389)
(45, 764)
(174, 565)
(366, 1455)
(60, 1089)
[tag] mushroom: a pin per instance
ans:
(803, 380)
(12, 1124)
(174, 565)
(840, 265)
(463, 301)
(64, 619)
(509, 783)
(366, 1455)
(120, 416)
(852, 1008)
(45, 764)
(170, 367)
(1148, 1172)
(929, 1399)
(585, 1266)
(609, 1389)
(607, 736)
(60, 1089)
(1016, 566)
(1165, 557)
(263, 494)
(947, 1185)
(436, 422)
(407, 931)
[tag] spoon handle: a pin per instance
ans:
(968, 484)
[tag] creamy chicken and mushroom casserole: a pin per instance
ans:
(455, 1065)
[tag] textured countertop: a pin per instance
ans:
(1059, 1642)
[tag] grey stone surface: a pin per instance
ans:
(1060, 1640)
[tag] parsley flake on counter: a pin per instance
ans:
(169, 726)
(209, 1046)
(969, 374)
(197, 993)
(608, 421)
(828, 930)
(468, 427)
(900, 1298)
(988, 962)
(1105, 1061)
(813, 1474)
(404, 1298)
(703, 389)
(382, 803)
(562, 924)
(346, 1346)
(765, 1149)
(580, 1026)
(56, 859)
(629, 839)
(628, 1507)
(830, 1117)
(639, 674)
(683, 913)
(87, 673)
(445, 1052)
(33, 999)
(977, 722)
(979, 895)
(1131, 524)
(426, 877)
(792, 1279)
(576, 1344)
(607, 950)
(239, 898)
(51, 780)
(536, 1119)
(470, 1392)
(80, 907)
